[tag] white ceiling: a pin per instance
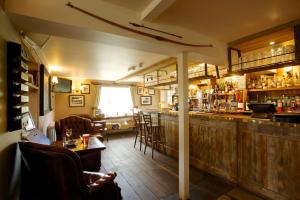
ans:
(228, 20)
(90, 48)
(135, 5)
(81, 59)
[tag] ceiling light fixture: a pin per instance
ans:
(271, 43)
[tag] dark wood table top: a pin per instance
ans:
(94, 144)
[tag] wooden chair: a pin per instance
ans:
(138, 128)
(99, 126)
(152, 132)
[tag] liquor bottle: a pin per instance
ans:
(279, 105)
(293, 104)
(226, 87)
(233, 104)
(240, 102)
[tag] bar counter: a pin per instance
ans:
(258, 154)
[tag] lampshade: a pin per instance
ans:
(54, 80)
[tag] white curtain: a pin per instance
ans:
(133, 93)
(98, 96)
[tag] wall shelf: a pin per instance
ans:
(31, 86)
(274, 89)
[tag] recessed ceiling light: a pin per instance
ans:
(271, 43)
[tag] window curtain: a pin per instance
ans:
(98, 96)
(133, 92)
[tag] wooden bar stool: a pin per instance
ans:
(152, 132)
(138, 128)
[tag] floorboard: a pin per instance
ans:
(143, 178)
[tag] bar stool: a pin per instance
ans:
(152, 132)
(138, 128)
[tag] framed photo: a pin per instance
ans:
(140, 90)
(151, 91)
(146, 91)
(146, 100)
(85, 88)
(76, 100)
(45, 91)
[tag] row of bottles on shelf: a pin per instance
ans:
(226, 87)
(229, 103)
(266, 56)
(270, 81)
(283, 103)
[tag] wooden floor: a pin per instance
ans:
(141, 177)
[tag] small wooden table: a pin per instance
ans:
(90, 155)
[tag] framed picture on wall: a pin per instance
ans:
(140, 90)
(45, 91)
(85, 89)
(146, 91)
(76, 100)
(151, 91)
(146, 100)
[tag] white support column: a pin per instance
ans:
(183, 117)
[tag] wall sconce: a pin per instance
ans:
(54, 80)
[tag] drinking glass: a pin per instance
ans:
(68, 133)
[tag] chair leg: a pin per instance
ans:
(146, 139)
(141, 137)
(106, 133)
(152, 142)
(136, 135)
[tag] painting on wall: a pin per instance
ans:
(146, 91)
(45, 91)
(85, 88)
(76, 100)
(140, 90)
(146, 100)
(151, 91)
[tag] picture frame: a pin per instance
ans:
(45, 91)
(76, 101)
(151, 91)
(85, 89)
(140, 90)
(146, 91)
(146, 100)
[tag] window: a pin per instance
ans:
(116, 101)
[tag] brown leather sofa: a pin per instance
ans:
(50, 172)
(79, 126)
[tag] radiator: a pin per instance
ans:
(51, 133)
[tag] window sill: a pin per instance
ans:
(118, 117)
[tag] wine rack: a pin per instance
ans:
(17, 88)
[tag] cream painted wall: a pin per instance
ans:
(62, 108)
(9, 156)
(155, 100)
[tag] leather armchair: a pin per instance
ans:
(50, 172)
(78, 125)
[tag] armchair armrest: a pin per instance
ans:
(96, 180)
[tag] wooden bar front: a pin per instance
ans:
(259, 155)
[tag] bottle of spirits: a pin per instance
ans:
(240, 106)
(279, 105)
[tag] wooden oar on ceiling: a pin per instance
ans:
(160, 38)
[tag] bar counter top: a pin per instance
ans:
(235, 117)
